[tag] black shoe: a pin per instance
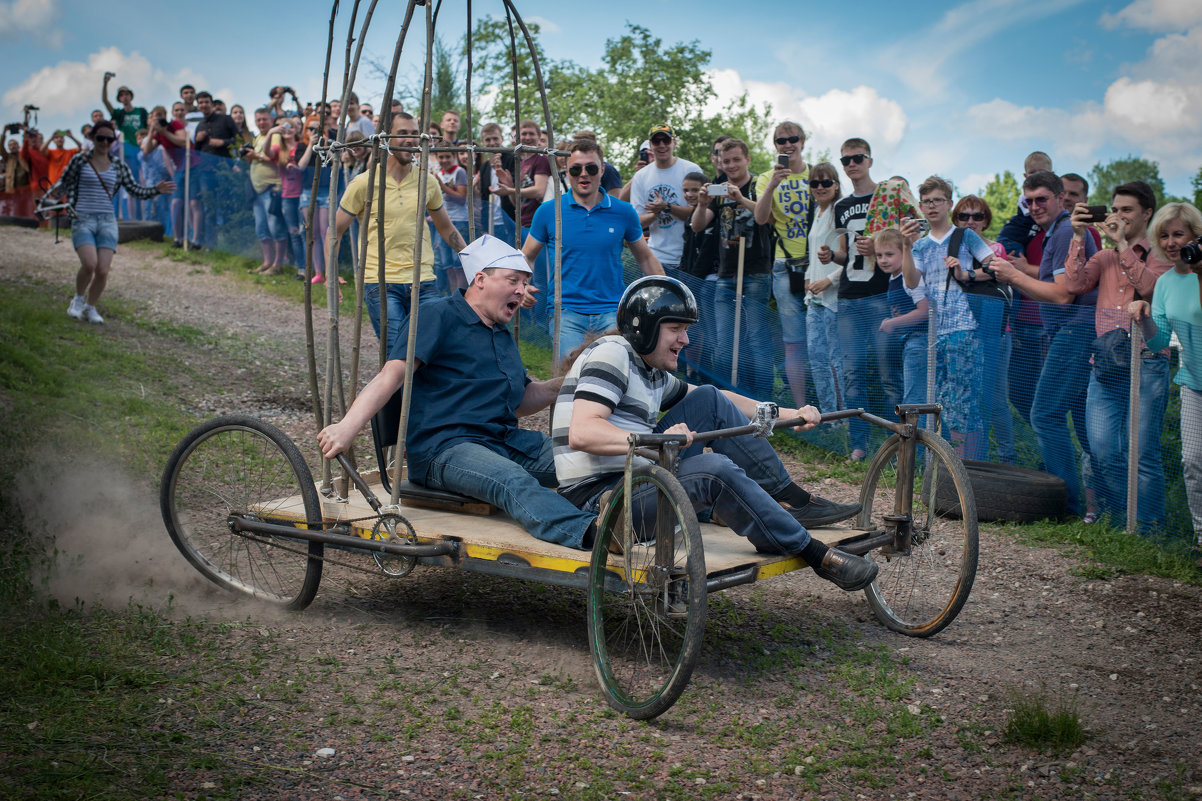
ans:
(821, 512)
(196, 246)
(177, 243)
(845, 571)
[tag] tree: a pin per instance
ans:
(642, 82)
(446, 83)
(1002, 195)
(1103, 178)
(1196, 183)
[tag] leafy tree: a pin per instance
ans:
(446, 83)
(642, 82)
(1103, 178)
(1002, 195)
(1196, 183)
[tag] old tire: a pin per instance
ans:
(131, 230)
(1012, 493)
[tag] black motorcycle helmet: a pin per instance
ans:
(649, 301)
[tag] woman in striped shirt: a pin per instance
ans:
(90, 183)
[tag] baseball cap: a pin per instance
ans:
(663, 128)
(488, 251)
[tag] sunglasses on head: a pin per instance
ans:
(104, 140)
(576, 169)
(857, 158)
(788, 140)
(965, 216)
(825, 183)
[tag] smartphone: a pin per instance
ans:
(718, 190)
(782, 160)
(1098, 213)
(645, 156)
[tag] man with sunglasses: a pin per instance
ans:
(1069, 320)
(594, 227)
(863, 304)
(785, 200)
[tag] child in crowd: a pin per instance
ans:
(454, 193)
(906, 325)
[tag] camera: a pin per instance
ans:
(247, 148)
(1097, 213)
(1192, 253)
(718, 190)
(13, 127)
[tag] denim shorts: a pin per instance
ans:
(97, 230)
(323, 199)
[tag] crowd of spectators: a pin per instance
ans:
(1020, 326)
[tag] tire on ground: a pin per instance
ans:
(1008, 492)
(131, 230)
(18, 222)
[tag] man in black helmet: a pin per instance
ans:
(619, 385)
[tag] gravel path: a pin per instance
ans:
(448, 685)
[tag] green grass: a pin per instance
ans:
(1042, 720)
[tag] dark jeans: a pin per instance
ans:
(1061, 392)
(737, 480)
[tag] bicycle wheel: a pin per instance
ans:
(237, 466)
(646, 609)
(921, 588)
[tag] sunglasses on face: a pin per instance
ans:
(1041, 200)
(825, 183)
(576, 169)
(104, 140)
(788, 140)
(857, 158)
(660, 140)
(965, 216)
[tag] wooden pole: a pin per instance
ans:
(734, 355)
(1133, 432)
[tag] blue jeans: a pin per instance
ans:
(1061, 391)
(541, 279)
(859, 329)
(1106, 416)
(444, 254)
(576, 327)
(995, 404)
(756, 349)
(826, 356)
(520, 485)
(296, 231)
(399, 298)
(268, 226)
(738, 480)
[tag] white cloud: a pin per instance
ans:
(1161, 16)
(828, 118)
(31, 18)
(545, 25)
(73, 88)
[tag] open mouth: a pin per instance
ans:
(512, 307)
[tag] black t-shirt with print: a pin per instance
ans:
(861, 278)
(734, 221)
(218, 126)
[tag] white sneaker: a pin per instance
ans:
(76, 308)
(91, 315)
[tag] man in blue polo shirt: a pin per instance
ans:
(469, 390)
(594, 225)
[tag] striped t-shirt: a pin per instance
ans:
(93, 199)
(609, 372)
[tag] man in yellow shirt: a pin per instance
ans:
(401, 226)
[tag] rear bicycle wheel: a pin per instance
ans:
(922, 586)
(646, 607)
(240, 467)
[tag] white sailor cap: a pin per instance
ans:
(488, 251)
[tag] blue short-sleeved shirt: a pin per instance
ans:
(592, 249)
(1055, 251)
(468, 387)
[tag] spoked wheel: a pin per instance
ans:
(239, 467)
(925, 579)
(646, 607)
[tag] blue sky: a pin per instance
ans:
(960, 90)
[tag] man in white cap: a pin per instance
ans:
(469, 390)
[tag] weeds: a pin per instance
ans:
(1039, 719)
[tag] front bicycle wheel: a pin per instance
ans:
(240, 467)
(646, 607)
(926, 576)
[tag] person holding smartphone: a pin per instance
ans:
(785, 202)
